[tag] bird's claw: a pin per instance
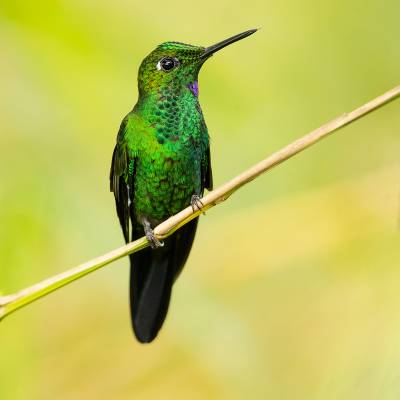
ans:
(151, 237)
(196, 202)
(154, 242)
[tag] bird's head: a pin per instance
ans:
(175, 65)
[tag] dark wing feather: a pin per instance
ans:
(206, 172)
(122, 180)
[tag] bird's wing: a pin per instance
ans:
(206, 172)
(122, 179)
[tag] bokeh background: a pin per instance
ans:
(292, 290)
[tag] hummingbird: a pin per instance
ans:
(161, 164)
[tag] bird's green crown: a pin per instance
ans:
(172, 64)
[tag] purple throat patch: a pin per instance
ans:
(194, 88)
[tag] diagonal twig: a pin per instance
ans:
(13, 302)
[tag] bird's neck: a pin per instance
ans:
(173, 112)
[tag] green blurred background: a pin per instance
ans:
(292, 290)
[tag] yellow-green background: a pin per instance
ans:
(292, 290)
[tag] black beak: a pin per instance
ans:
(209, 51)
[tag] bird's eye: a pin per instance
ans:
(167, 64)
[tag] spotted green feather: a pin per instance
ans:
(162, 155)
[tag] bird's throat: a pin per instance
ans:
(173, 114)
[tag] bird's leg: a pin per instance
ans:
(148, 231)
(196, 202)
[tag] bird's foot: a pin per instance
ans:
(196, 202)
(151, 237)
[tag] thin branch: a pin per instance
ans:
(13, 302)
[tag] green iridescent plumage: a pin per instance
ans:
(160, 163)
(163, 141)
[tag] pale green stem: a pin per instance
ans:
(13, 302)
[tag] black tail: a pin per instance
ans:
(153, 273)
